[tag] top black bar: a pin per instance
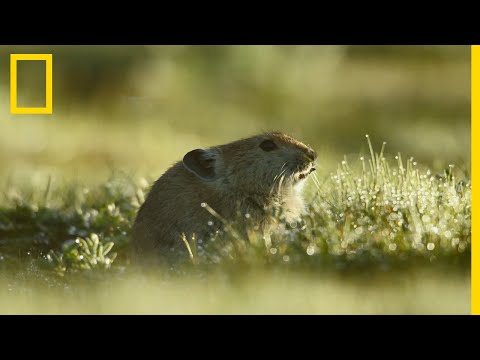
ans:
(314, 27)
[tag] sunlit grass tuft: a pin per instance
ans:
(378, 213)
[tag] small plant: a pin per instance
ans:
(380, 211)
(379, 214)
(82, 254)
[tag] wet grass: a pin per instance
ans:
(382, 235)
(378, 216)
(378, 212)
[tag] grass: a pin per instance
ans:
(380, 213)
(380, 236)
(374, 217)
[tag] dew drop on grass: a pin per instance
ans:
(273, 251)
(310, 250)
(430, 246)
(247, 215)
(286, 258)
(210, 223)
(203, 204)
(392, 247)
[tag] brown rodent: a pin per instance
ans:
(248, 176)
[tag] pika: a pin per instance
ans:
(251, 176)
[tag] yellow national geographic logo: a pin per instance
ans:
(48, 109)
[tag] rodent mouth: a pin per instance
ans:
(304, 174)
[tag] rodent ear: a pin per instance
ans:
(201, 163)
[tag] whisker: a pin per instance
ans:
(280, 184)
(279, 174)
(278, 177)
(315, 181)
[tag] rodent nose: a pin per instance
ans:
(311, 154)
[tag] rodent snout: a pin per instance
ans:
(311, 154)
(305, 159)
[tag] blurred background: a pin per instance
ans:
(138, 109)
(135, 110)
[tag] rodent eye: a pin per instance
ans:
(268, 145)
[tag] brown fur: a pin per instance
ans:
(239, 177)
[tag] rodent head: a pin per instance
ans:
(258, 165)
